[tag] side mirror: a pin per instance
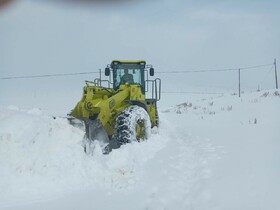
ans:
(152, 71)
(107, 71)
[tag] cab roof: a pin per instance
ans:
(129, 61)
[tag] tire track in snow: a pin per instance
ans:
(176, 175)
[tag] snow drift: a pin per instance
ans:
(42, 158)
(210, 153)
(36, 151)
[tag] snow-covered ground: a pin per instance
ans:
(219, 152)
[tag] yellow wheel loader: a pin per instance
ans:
(123, 111)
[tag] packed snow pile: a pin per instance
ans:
(212, 153)
(36, 151)
(42, 157)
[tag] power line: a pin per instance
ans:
(214, 70)
(159, 72)
(48, 75)
(266, 76)
(259, 66)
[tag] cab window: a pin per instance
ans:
(130, 73)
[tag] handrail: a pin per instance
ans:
(156, 88)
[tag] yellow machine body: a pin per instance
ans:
(103, 104)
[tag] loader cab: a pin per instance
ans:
(134, 72)
(131, 72)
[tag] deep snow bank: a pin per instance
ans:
(40, 156)
(43, 164)
(36, 151)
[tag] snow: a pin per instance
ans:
(218, 152)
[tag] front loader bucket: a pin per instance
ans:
(95, 132)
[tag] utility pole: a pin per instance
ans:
(239, 82)
(275, 74)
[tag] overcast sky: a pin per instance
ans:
(45, 37)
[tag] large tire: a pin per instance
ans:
(132, 124)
